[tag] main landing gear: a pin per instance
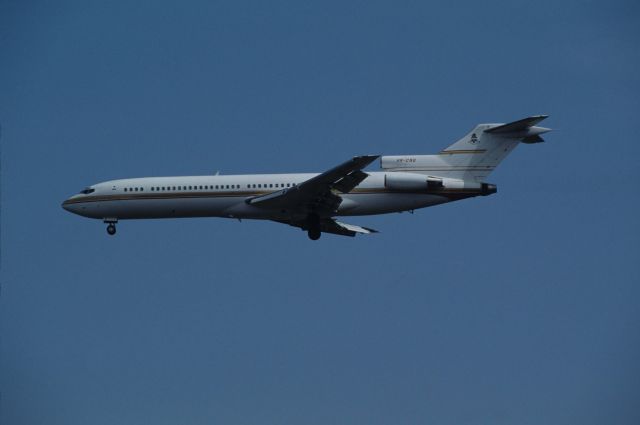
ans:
(314, 234)
(313, 227)
(111, 226)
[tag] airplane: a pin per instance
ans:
(311, 201)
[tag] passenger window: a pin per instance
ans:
(142, 189)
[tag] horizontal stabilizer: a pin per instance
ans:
(533, 139)
(517, 126)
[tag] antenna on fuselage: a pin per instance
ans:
(217, 173)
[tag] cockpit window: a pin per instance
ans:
(87, 191)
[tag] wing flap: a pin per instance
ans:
(353, 228)
(329, 225)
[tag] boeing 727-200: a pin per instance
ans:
(312, 201)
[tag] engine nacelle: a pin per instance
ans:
(420, 182)
(411, 181)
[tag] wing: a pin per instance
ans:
(318, 194)
(329, 225)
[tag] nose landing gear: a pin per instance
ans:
(111, 228)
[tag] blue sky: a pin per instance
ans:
(520, 307)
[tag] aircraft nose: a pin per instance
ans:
(67, 205)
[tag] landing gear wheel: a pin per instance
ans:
(111, 229)
(313, 227)
(314, 234)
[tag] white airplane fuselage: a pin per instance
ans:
(226, 196)
(311, 201)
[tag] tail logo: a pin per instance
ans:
(474, 139)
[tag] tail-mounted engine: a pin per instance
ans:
(413, 182)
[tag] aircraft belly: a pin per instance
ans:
(378, 203)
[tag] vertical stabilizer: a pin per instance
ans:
(475, 155)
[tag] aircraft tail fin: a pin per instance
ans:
(475, 155)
